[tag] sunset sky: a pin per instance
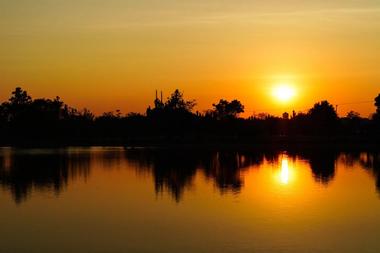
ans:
(113, 54)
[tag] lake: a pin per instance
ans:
(111, 200)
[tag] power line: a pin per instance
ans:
(356, 103)
(352, 103)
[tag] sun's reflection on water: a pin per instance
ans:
(284, 173)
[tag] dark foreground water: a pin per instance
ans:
(111, 200)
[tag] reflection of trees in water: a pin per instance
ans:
(225, 168)
(371, 161)
(20, 173)
(322, 164)
(174, 170)
(375, 159)
(367, 160)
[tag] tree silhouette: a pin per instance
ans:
(177, 102)
(352, 115)
(18, 105)
(174, 106)
(377, 103)
(20, 97)
(158, 104)
(324, 117)
(227, 110)
(323, 111)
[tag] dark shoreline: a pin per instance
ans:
(269, 143)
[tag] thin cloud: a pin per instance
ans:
(227, 17)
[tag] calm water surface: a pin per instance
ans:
(111, 200)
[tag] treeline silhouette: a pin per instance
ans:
(23, 171)
(51, 171)
(27, 121)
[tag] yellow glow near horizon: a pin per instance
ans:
(284, 92)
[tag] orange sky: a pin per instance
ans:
(108, 55)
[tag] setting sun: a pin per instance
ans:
(284, 92)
